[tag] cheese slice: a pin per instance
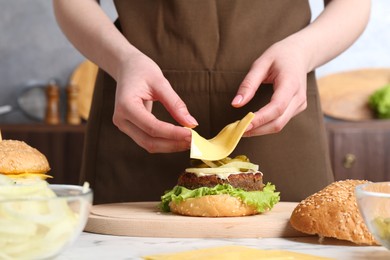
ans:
(221, 145)
(234, 253)
(28, 175)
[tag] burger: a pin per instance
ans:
(229, 187)
(19, 161)
(34, 223)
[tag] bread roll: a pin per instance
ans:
(17, 157)
(213, 206)
(333, 212)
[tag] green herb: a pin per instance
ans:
(379, 101)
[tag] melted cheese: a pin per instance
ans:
(233, 253)
(29, 175)
(201, 172)
(221, 145)
(223, 176)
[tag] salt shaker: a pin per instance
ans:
(72, 116)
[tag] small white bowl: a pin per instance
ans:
(38, 227)
(373, 200)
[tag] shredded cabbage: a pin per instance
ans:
(31, 225)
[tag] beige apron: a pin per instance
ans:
(205, 48)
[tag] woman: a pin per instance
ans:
(207, 63)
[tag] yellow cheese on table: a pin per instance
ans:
(221, 145)
(234, 253)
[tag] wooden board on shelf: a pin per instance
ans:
(345, 95)
(84, 78)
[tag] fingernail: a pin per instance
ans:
(191, 120)
(188, 139)
(237, 100)
(250, 126)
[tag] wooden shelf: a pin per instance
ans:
(360, 150)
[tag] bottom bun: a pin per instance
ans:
(213, 206)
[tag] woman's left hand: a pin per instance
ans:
(286, 63)
(283, 65)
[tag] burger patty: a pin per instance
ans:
(245, 181)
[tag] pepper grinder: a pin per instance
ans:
(52, 116)
(72, 116)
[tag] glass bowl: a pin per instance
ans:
(373, 200)
(41, 226)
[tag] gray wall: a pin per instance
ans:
(32, 48)
(372, 49)
(33, 51)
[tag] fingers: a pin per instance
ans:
(261, 125)
(154, 135)
(150, 133)
(251, 83)
(288, 77)
(155, 144)
(139, 84)
(175, 105)
(282, 98)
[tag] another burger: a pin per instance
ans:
(19, 160)
(229, 187)
(34, 223)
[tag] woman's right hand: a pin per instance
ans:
(140, 82)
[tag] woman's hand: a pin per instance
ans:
(283, 65)
(286, 63)
(140, 82)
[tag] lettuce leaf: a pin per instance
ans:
(263, 200)
(379, 101)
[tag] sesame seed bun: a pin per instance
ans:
(213, 206)
(333, 212)
(17, 157)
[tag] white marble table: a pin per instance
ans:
(93, 246)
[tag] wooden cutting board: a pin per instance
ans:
(84, 78)
(144, 219)
(345, 95)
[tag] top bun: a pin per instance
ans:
(17, 157)
(333, 212)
